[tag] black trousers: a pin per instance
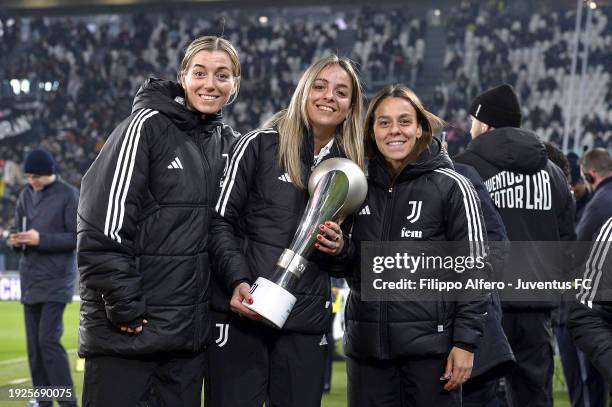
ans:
(167, 380)
(530, 336)
(481, 394)
(585, 385)
(250, 364)
(399, 383)
(46, 356)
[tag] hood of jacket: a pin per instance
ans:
(168, 98)
(511, 149)
(432, 158)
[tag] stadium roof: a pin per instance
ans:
(105, 6)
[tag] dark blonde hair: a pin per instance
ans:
(293, 122)
(212, 43)
(427, 121)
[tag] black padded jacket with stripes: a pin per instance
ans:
(143, 222)
(427, 202)
(255, 219)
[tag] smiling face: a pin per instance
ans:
(329, 100)
(396, 130)
(208, 81)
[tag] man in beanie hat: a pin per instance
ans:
(45, 216)
(533, 198)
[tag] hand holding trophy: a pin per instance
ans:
(337, 188)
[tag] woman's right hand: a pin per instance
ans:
(241, 293)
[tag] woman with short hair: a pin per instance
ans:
(143, 226)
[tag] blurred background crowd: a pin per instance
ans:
(66, 81)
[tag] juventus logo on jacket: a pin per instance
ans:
(415, 211)
(223, 334)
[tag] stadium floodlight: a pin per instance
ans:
(263, 20)
(593, 5)
(25, 86)
(437, 12)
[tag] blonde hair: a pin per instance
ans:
(293, 122)
(427, 121)
(212, 43)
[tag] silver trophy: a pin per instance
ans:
(337, 188)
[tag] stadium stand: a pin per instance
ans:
(486, 45)
(65, 81)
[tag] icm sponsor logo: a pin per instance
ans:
(417, 234)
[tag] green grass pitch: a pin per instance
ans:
(14, 366)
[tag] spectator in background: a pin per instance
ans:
(591, 315)
(500, 148)
(46, 219)
(596, 166)
(580, 188)
(584, 383)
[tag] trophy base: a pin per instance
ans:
(272, 302)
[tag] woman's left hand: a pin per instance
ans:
(330, 239)
(458, 368)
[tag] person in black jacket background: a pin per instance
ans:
(580, 188)
(143, 238)
(596, 165)
(45, 216)
(409, 353)
(262, 199)
(508, 158)
(590, 316)
(493, 358)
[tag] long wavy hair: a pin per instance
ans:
(293, 122)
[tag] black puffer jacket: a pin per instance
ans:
(531, 194)
(394, 329)
(255, 219)
(143, 223)
(590, 316)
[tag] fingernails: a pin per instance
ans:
(250, 300)
(319, 237)
(317, 245)
(321, 227)
(327, 224)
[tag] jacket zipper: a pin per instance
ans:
(199, 141)
(384, 328)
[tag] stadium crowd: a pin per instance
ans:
(94, 65)
(101, 61)
(487, 45)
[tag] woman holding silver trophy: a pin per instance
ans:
(263, 198)
(410, 353)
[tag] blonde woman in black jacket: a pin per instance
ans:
(143, 223)
(262, 199)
